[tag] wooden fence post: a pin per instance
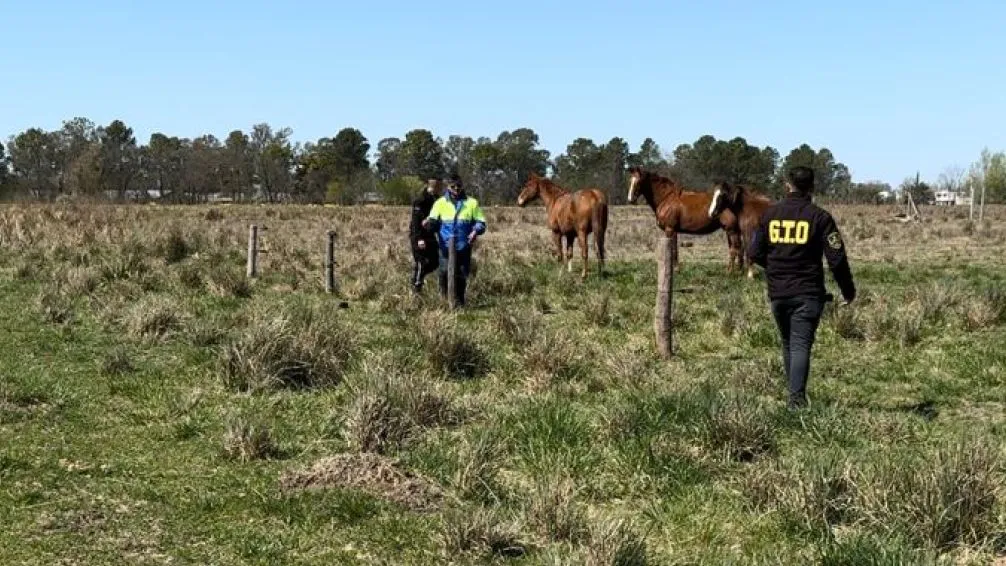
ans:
(252, 270)
(663, 325)
(452, 272)
(330, 263)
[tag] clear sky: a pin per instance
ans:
(890, 86)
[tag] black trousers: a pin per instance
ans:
(797, 319)
(424, 263)
(461, 281)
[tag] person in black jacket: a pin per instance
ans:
(423, 241)
(793, 235)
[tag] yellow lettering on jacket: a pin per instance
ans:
(788, 231)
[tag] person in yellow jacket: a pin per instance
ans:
(456, 215)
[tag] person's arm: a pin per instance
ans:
(758, 247)
(480, 222)
(838, 261)
(433, 219)
(416, 224)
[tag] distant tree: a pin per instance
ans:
(709, 160)
(650, 157)
(34, 157)
(400, 190)
(163, 161)
(869, 192)
(921, 191)
(421, 155)
(238, 165)
(579, 166)
(487, 170)
(988, 173)
(4, 167)
(342, 159)
(458, 157)
(201, 167)
(272, 156)
(389, 158)
(519, 155)
(831, 178)
(119, 162)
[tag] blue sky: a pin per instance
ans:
(890, 87)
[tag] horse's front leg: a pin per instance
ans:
(557, 243)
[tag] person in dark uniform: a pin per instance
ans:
(793, 235)
(423, 240)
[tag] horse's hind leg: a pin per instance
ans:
(599, 242)
(584, 247)
(569, 252)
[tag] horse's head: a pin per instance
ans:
(725, 195)
(531, 190)
(636, 176)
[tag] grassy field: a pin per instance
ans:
(158, 408)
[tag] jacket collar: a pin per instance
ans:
(806, 197)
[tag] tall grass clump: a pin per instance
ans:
(451, 350)
(292, 349)
(153, 317)
(938, 499)
(389, 405)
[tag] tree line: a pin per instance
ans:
(85, 160)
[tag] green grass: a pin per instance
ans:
(152, 403)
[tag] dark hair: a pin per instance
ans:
(802, 178)
(455, 179)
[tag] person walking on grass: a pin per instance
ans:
(456, 215)
(423, 240)
(791, 238)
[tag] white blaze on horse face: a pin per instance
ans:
(632, 187)
(716, 200)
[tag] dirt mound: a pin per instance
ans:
(372, 473)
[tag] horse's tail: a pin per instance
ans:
(600, 221)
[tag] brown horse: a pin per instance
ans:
(680, 211)
(747, 205)
(573, 215)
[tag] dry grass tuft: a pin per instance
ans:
(371, 473)
(554, 510)
(390, 405)
(117, 362)
(245, 441)
(950, 498)
(738, 427)
(479, 531)
(287, 350)
(614, 543)
(153, 317)
(451, 350)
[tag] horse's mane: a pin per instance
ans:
(556, 188)
(749, 193)
(675, 186)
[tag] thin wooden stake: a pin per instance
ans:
(330, 263)
(452, 272)
(663, 324)
(252, 270)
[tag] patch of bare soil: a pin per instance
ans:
(374, 474)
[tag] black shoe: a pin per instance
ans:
(797, 404)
